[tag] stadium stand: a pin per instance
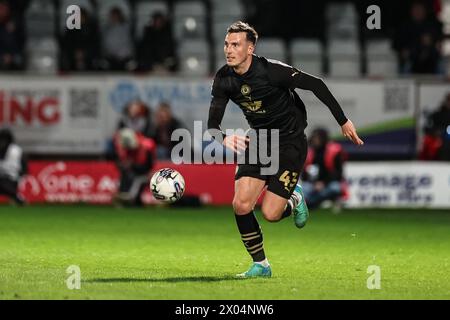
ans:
(307, 54)
(42, 55)
(271, 48)
(144, 11)
(189, 20)
(344, 58)
(344, 36)
(194, 57)
(342, 21)
(39, 19)
(381, 60)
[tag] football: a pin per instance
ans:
(167, 185)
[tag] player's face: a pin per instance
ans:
(237, 49)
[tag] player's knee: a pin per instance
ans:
(271, 216)
(242, 206)
(270, 212)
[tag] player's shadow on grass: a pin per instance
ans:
(169, 279)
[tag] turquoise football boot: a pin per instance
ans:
(256, 271)
(300, 211)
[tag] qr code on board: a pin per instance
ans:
(83, 103)
(396, 97)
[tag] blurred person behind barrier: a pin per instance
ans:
(11, 40)
(80, 47)
(117, 43)
(138, 116)
(323, 177)
(12, 166)
(166, 124)
(436, 142)
(418, 42)
(135, 159)
(156, 50)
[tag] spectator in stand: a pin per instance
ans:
(156, 50)
(323, 177)
(11, 40)
(166, 124)
(117, 43)
(138, 117)
(80, 48)
(436, 142)
(12, 166)
(135, 159)
(418, 42)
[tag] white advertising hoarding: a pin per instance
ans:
(398, 184)
(55, 115)
(382, 111)
(189, 99)
(79, 114)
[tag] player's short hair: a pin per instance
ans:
(240, 26)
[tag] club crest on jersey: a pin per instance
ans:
(246, 90)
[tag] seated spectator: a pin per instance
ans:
(323, 174)
(138, 116)
(80, 47)
(117, 44)
(436, 143)
(166, 123)
(12, 166)
(11, 40)
(135, 159)
(418, 42)
(156, 50)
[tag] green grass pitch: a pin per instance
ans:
(167, 253)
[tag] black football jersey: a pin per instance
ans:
(266, 96)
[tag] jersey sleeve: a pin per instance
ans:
(283, 75)
(219, 100)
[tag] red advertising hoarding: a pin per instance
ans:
(97, 181)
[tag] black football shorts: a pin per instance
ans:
(292, 156)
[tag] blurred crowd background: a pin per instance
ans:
(185, 37)
(183, 40)
(118, 87)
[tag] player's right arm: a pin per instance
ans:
(219, 101)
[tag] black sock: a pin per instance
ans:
(288, 211)
(251, 235)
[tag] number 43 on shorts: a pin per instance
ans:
(289, 179)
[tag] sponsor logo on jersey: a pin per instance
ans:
(252, 105)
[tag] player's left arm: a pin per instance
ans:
(290, 77)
